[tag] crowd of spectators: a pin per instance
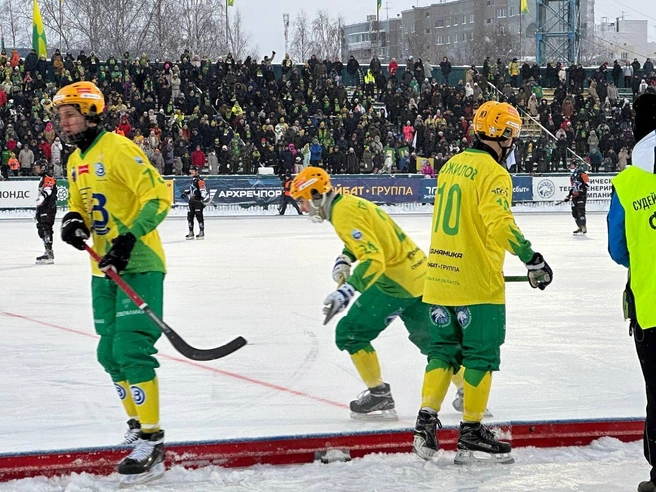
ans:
(231, 116)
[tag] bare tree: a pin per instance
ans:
(302, 42)
(418, 46)
(163, 31)
(494, 42)
(327, 35)
(202, 24)
(15, 23)
(239, 40)
(160, 28)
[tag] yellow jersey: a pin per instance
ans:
(114, 187)
(386, 256)
(472, 228)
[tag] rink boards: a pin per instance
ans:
(286, 450)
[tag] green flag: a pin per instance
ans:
(231, 3)
(38, 34)
(379, 4)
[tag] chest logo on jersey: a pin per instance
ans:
(100, 169)
(83, 169)
(356, 234)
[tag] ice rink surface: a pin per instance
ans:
(567, 356)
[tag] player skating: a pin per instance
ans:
(471, 230)
(198, 197)
(46, 209)
(117, 198)
(578, 193)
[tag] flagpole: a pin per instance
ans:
(61, 24)
(227, 29)
(520, 30)
(377, 29)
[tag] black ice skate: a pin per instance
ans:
(477, 444)
(374, 403)
(133, 433)
(647, 486)
(201, 235)
(425, 443)
(145, 462)
(190, 235)
(47, 258)
(459, 403)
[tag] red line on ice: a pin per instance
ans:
(191, 363)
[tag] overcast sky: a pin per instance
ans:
(264, 17)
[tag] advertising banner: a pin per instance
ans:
(236, 191)
(18, 194)
(381, 189)
(62, 192)
(550, 188)
(600, 188)
(522, 189)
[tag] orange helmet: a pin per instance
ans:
(85, 96)
(497, 121)
(310, 183)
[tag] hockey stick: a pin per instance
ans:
(178, 343)
(520, 278)
(331, 310)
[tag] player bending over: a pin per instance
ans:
(389, 276)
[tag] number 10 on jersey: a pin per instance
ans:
(448, 209)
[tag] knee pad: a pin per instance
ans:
(105, 356)
(190, 216)
(133, 351)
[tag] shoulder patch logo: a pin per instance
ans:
(356, 234)
(138, 160)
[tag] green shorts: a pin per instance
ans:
(373, 311)
(127, 335)
(469, 335)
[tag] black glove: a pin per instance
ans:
(74, 231)
(184, 194)
(119, 254)
(539, 273)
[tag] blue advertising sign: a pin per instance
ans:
(380, 189)
(522, 188)
(236, 191)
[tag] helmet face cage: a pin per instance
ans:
(312, 184)
(87, 99)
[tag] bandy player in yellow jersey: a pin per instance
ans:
(117, 198)
(389, 276)
(472, 228)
